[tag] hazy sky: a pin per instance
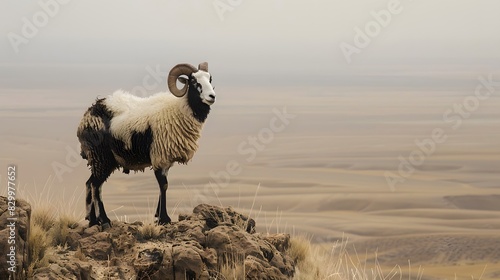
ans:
(81, 49)
(272, 40)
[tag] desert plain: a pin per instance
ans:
(401, 174)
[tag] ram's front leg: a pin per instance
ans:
(161, 209)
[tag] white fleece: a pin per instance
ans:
(175, 130)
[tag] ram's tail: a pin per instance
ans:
(82, 153)
(93, 128)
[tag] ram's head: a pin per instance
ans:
(192, 78)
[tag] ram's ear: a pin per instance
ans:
(183, 80)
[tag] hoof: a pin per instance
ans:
(106, 225)
(93, 223)
(97, 223)
(162, 222)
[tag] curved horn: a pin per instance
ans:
(203, 66)
(175, 73)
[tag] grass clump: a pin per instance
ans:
(44, 217)
(310, 262)
(231, 267)
(48, 230)
(60, 230)
(232, 272)
(38, 246)
(150, 231)
(300, 249)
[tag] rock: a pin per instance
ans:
(167, 265)
(188, 261)
(69, 270)
(210, 258)
(215, 216)
(187, 230)
(195, 247)
(91, 231)
(256, 268)
(124, 243)
(281, 241)
(46, 273)
(97, 246)
(80, 270)
(73, 240)
(14, 226)
(148, 263)
(233, 241)
(183, 217)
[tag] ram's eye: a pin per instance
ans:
(198, 86)
(210, 79)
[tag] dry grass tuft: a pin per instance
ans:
(232, 268)
(48, 232)
(236, 272)
(59, 232)
(38, 246)
(300, 249)
(45, 217)
(310, 262)
(150, 231)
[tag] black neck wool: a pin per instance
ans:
(200, 109)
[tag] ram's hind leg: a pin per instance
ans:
(97, 206)
(89, 205)
(161, 209)
(103, 165)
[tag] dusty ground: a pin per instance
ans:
(321, 173)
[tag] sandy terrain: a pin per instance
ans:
(321, 173)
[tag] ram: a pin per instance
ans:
(132, 133)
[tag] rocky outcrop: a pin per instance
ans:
(14, 231)
(199, 246)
